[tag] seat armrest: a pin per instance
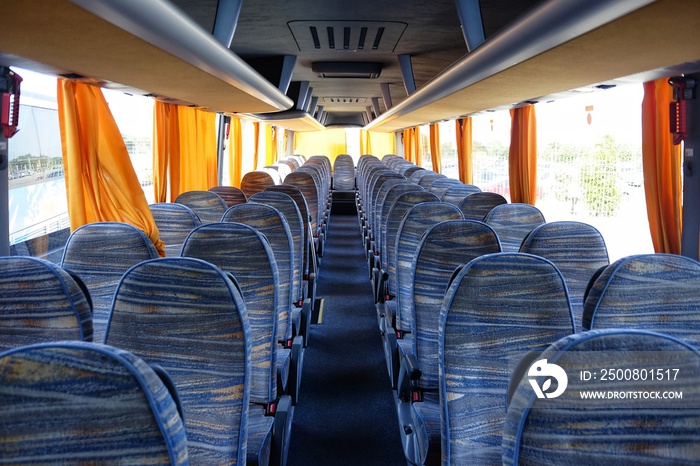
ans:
(409, 374)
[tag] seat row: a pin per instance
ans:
(465, 314)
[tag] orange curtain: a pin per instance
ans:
(435, 147)
(235, 152)
(166, 151)
(464, 149)
(101, 184)
(256, 138)
(662, 169)
(411, 145)
(522, 162)
(197, 149)
(365, 144)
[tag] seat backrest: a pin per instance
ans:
(188, 317)
(419, 219)
(84, 403)
(174, 222)
(442, 249)
(402, 204)
(440, 185)
(40, 302)
(477, 205)
(230, 194)
(656, 292)
(498, 308)
(416, 175)
(270, 222)
(300, 200)
(513, 222)
(427, 181)
(456, 193)
(208, 205)
(100, 253)
(630, 430)
(244, 253)
(343, 173)
(384, 204)
(288, 208)
(576, 248)
(304, 181)
(256, 181)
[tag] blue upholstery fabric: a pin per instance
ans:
(576, 248)
(455, 194)
(657, 292)
(208, 205)
(255, 182)
(384, 204)
(40, 302)
(230, 194)
(298, 196)
(83, 403)
(513, 222)
(186, 316)
(305, 183)
(477, 205)
(427, 181)
(246, 254)
(100, 253)
(415, 223)
(418, 174)
(174, 222)
(442, 249)
(288, 208)
(343, 173)
(498, 308)
(271, 224)
(402, 204)
(571, 430)
(440, 185)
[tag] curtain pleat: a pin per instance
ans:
(235, 151)
(166, 151)
(197, 150)
(661, 161)
(101, 184)
(365, 144)
(464, 149)
(435, 148)
(256, 146)
(523, 155)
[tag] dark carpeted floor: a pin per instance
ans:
(346, 413)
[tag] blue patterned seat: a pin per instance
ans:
(256, 181)
(304, 182)
(40, 302)
(498, 308)
(440, 185)
(230, 194)
(99, 254)
(245, 253)
(398, 315)
(573, 430)
(84, 403)
(576, 248)
(188, 317)
(269, 222)
(455, 194)
(426, 182)
(174, 222)
(343, 173)
(513, 222)
(443, 248)
(657, 292)
(477, 205)
(208, 205)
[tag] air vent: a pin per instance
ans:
(345, 69)
(345, 100)
(347, 36)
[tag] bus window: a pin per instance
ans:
(490, 147)
(590, 166)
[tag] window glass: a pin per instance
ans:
(490, 147)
